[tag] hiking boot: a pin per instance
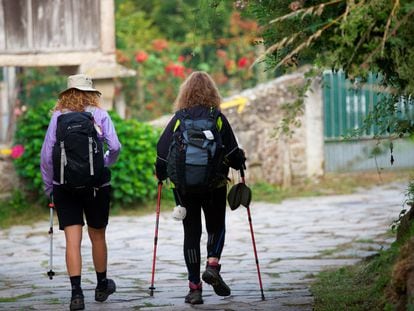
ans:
(194, 296)
(212, 276)
(77, 302)
(101, 294)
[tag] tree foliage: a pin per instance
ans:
(164, 41)
(357, 36)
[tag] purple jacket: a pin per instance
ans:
(103, 120)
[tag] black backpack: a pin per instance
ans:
(195, 153)
(78, 158)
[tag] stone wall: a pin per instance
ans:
(8, 176)
(278, 160)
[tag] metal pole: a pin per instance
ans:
(157, 219)
(253, 240)
(50, 273)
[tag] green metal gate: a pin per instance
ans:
(345, 108)
(346, 105)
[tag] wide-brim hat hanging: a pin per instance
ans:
(239, 194)
(80, 82)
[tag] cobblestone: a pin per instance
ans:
(294, 239)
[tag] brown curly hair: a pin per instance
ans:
(198, 89)
(76, 100)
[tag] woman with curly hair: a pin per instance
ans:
(93, 202)
(198, 97)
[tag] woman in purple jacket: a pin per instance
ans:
(94, 204)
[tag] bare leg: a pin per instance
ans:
(99, 250)
(73, 235)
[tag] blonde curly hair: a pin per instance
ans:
(77, 100)
(198, 89)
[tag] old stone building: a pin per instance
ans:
(76, 36)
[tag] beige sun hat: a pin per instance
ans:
(80, 82)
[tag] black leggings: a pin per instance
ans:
(214, 207)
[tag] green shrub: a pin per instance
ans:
(30, 132)
(132, 176)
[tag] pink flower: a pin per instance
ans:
(141, 57)
(295, 5)
(221, 53)
(17, 151)
(17, 112)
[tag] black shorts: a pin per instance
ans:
(71, 206)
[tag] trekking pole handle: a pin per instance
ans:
(51, 206)
(242, 175)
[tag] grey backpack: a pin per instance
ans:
(196, 152)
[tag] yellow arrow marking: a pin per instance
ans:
(5, 151)
(239, 102)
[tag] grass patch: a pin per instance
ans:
(15, 298)
(17, 210)
(54, 301)
(329, 184)
(357, 287)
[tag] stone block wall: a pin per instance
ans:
(279, 160)
(8, 177)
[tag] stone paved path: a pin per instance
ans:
(294, 240)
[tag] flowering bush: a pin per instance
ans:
(141, 57)
(17, 151)
(162, 64)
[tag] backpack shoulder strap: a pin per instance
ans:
(90, 109)
(181, 115)
(215, 115)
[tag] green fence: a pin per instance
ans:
(346, 105)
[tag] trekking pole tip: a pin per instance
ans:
(50, 273)
(151, 288)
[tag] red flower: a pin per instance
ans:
(181, 58)
(177, 70)
(141, 57)
(159, 44)
(121, 57)
(17, 151)
(169, 67)
(230, 64)
(243, 62)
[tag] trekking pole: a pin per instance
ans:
(157, 219)
(253, 240)
(50, 273)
